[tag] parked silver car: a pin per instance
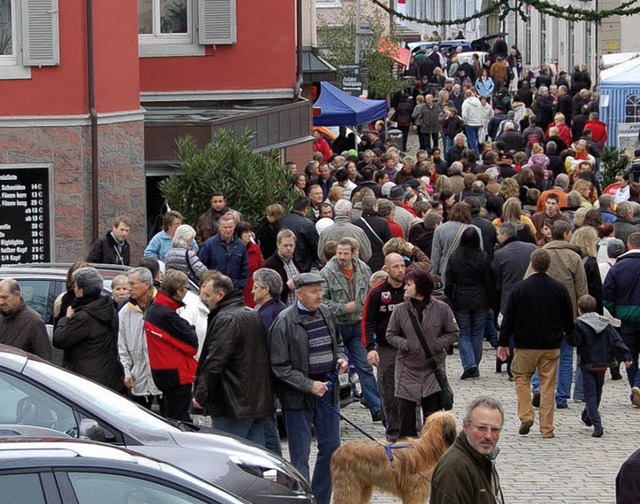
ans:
(33, 471)
(35, 392)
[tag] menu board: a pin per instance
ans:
(25, 220)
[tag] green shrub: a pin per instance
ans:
(613, 161)
(250, 181)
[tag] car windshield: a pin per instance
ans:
(69, 385)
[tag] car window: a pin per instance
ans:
(70, 385)
(23, 403)
(21, 489)
(39, 295)
(101, 488)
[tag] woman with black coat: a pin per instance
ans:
(468, 287)
(88, 333)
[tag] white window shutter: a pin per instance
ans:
(40, 34)
(217, 22)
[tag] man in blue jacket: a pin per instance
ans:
(226, 253)
(621, 296)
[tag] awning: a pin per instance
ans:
(314, 68)
(394, 51)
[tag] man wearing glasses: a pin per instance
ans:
(466, 473)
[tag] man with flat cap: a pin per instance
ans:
(305, 348)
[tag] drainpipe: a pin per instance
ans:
(95, 223)
(298, 87)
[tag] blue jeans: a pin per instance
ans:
(472, 137)
(448, 143)
(490, 330)
(327, 428)
(593, 383)
(631, 337)
(471, 324)
(565, 375)
(253, 429)
(430, 141)
(352, 337)
(271, 435)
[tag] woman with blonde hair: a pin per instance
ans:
(585, 239)
(585, 188)
(268, 231)
(442, 183)
(512, 213)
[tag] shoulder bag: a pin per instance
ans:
(446, 393)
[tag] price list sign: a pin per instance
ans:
(25, 233)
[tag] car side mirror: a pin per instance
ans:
(90, 429)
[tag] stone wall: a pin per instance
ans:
(68, 150)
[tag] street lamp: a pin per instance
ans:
(361, 31)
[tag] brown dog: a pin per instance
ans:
(359, 467)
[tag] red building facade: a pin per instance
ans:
(95, 93)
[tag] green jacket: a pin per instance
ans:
(465, 476)
(336, 290)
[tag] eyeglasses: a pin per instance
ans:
(483, 429)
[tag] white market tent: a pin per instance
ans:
(619, 96)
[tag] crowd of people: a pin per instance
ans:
(497, 229)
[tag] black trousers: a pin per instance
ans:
(177, 401)
(429, 404)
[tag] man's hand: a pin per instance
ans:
(290, 284)
(350, 307)
(343, 365)
(128, 382)
(196, 404)
(319, 388)
(373, 358)
(502, 353)
(70, 312)
(628, 363)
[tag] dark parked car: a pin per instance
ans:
(76, 472)
(35, 392)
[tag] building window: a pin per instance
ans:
(184, 27)
(632, 108)
(160, 18)
(325, 4)
(28, 36)
(543, 39)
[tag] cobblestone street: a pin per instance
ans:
(572, 467)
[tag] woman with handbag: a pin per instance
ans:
(421, 329)
(182, 257)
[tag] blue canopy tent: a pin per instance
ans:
(620, 96)
(341, 109)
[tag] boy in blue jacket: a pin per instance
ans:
(599, 347)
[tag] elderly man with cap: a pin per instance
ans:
(403, 216)
(305, 351)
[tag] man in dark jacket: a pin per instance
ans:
(305, 252)
(113, 248)
(20, 325)
(537, 330)
(88, 333)
(226, 253)
(233, 383)
(207, 224)
(466, 473)
(377, 230)
(378, 307)
(285, 264)
(305, 351)
(621, 296)
(172, 343)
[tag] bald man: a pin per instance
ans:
(21, 326)
(378, 306)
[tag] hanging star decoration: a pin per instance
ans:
(503, 8)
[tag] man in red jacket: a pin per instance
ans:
(598, 129)
(172, 344)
